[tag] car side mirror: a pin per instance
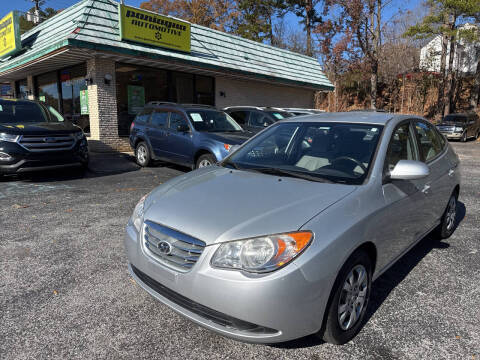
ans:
(409, 170)
(183, 128)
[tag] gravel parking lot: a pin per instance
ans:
(65, 291)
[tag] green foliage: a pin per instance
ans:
(255, 21)
(26, 25)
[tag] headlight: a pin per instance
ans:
(458, 129)
(261, 254)
(8, 137)
(137, 216)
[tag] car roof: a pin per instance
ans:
(246, 107)
(376, 118)
(167, 104)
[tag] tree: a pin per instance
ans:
(26, 25)
(256, 18)
(444, 20)
(306, 10)
(214, 14)
(359, 25)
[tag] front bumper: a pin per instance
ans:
(258, 308)
(452, 135)
(22, 160)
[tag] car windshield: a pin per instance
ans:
(327, 152)
(25, 112)
(454, 119)
(213, 121)
(279, 115)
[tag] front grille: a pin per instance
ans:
(446, 129)
(172, 248)
(39, 143)
(201, 310)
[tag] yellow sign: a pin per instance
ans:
(153, 29)
(9, 34)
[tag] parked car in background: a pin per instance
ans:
(285, 237)
(34, 136)
(460, 126)
(301, 111)
(254, 118)
(187, 134)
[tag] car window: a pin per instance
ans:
(18, 112)
(143, 116)
(400, 146)
(429, 142)
(257, 119)
(240, 117)
(176, 120)
(213, 121)
(159, 119)
(339, 152)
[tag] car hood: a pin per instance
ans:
(39, 128)
(232, 138)
(217, 204)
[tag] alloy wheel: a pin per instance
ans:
(352, 298)
(141, 154)
(204, 163)
(451, 213)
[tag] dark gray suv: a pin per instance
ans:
(460, 126)
(254, 118)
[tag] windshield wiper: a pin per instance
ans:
(294, 174)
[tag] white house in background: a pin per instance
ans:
(464, 61)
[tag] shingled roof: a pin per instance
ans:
(93, 25)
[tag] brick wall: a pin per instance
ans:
(102, 103)
(257, 93)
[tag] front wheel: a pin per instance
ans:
(142, 154)
(449, 218)
(205, 160)
(464, 137)
(348, 300)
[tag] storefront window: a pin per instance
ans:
(73, 81)
(47, 89)
(21, 89)
(204, 88)
(183, 88)
(137, 86)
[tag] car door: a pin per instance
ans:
(180, 143)
(400, 222)
(157, 132)
(438, 185)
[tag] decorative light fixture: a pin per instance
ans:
(108, 78)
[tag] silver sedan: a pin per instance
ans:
(284, 238)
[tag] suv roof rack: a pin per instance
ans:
(243, 107)
(161, 103)
(199, 105)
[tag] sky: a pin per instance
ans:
(24, 5)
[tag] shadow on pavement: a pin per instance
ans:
(384, 285)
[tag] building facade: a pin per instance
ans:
(99, 62)
(465, 58)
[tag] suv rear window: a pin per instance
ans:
(18, 112)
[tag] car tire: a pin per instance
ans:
(205, 160)
(448, 222)
(339, 326)
(477, 135)
(464, 137)
(142, 154)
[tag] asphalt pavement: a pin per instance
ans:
(65, 291)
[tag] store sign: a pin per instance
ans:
(150, 28)
(84, 102)
(136, 99)
(10, 34)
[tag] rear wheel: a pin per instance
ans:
(449, 218)
(142, 154)
(205, 160)
(348, 300)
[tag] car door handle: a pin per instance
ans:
(451, 172)
(426, 188)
